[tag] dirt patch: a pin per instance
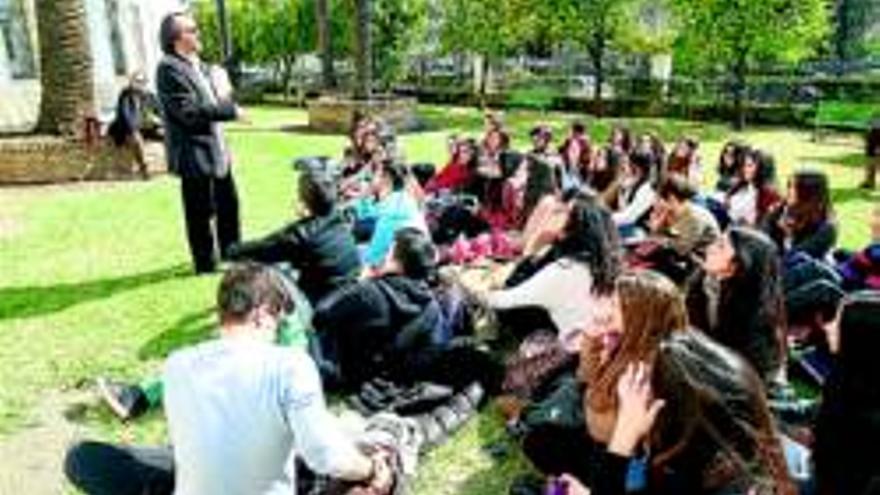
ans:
(10, 225)
(31, 459)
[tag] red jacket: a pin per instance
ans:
(454, 175)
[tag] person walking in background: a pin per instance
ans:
(133, 110)
(194, 100)
(872, 149)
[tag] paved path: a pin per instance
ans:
(31, 459)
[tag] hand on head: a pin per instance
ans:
(637, 409)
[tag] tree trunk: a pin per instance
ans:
(325, 49)
(484, 80)
(287, 64)
(225, 40)
(739, 90)
(597, 54)
(66, 76)
(364, 50)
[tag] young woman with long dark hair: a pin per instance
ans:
(583, 262)
(605, 172)
(576, 154)
(728, 164)
(685, 161)
(620, 139)
(737, 299)
(458, 174)
(805, 221)
(636, 195)
(848, 426)
(751, 195)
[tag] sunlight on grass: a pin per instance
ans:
(95, 278)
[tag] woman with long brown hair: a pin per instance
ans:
(685, 161)
(805, 222)
(626, 325)
(700, 417)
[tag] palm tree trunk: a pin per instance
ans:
(66, 75)
(364, 53)
(328, 78)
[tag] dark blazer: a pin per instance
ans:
(192, 138)
(321, 248)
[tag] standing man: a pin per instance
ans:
(194, 102)
(872, 149)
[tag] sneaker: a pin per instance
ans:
(421, 398)
(126, 401)
(404, 435)
(431, 431)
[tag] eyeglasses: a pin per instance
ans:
(191, 30)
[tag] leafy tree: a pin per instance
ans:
(852, 21)
(398, 27)
(598, 26)
(273, 32)
(489, 28)
(734, 36)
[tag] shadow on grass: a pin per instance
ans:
(33, 301)
(841, 195)
(188, 330)
(849, 160)
(480, 459)
(508, 460)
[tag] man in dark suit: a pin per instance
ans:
(194, 103)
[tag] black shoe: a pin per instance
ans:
(206, 269)
(126, 401)
(528, 484)
(421, 398)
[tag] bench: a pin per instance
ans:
(843, 116)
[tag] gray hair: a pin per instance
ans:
(169, 32)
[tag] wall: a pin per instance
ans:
(42, 159)
(139, 28)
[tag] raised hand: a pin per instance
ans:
(637, 409)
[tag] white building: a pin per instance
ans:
(124, 39)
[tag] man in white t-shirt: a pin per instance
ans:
(240, 411)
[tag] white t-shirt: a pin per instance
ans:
(240, 410)
(564, 288)
(632, 210)
(743, 206)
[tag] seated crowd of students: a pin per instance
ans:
(640, 333)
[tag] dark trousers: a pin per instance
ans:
(871, 167)
(205, 198)
(104, 469)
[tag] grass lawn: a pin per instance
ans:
(94, 278)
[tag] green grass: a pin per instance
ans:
(94, 278)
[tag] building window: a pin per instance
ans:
(116, 45)
(16, 38)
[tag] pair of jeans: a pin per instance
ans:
(105, 469)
